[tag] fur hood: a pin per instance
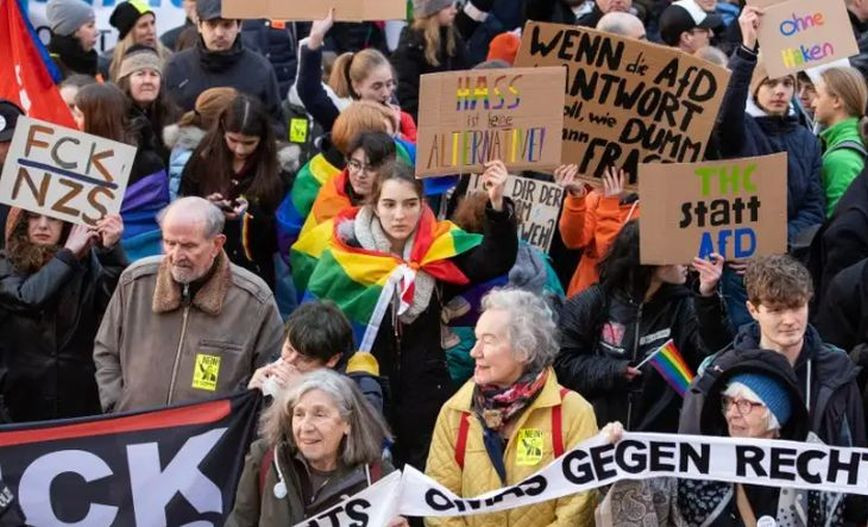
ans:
(186, 137)
(289, 157)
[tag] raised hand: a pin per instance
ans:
(710, 272)
(494, 182)
(565, 176)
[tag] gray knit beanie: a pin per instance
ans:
(425, 8)
(66, 16)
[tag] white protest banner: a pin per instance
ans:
(596, 462)
(376, 505)
(537, 205)
(64, 173)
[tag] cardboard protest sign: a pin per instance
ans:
(64, 173)
(736, 208)
(467, 118)
(345, 10)
(802, 34)
(627, 101)
(537, 205)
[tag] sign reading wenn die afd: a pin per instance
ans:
(467, 118)
(64, 173)
(736, 208)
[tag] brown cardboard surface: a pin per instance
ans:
(802, 34)
(537, 205)
(469, 117)
(627, 101)
(753, 190)
(345, 10)
(65, 173)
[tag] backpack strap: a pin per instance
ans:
(558, 426)
(264, 466)
(850, 144)
(461, 442)
(375, 470)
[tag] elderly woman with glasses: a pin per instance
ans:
(512, 418)
(757, 399)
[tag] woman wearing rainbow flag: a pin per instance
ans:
(640, 315)
(389, 265)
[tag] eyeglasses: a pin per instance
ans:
(355, 165)
(743, 406)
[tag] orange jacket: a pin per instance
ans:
(591, 223)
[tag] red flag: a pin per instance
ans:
(24, 78)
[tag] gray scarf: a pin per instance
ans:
(370, 235)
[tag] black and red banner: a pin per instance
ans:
(177, 466)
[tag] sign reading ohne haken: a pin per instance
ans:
(627, 102)
(801, 34)
(64, 173)
(467, 118)
(537, 205)
(736, 208)
(345, 10)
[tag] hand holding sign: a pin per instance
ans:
(749, 22)
(319, 29)
(565, 176)
(494, 179)
(110, 229)
(710, 272)
(80, 240)
(614, 181)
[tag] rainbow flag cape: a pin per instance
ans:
(364, 283)
(292, 212)
(672, 367)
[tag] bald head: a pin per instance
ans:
(192, 237)
(623, 24)
(194, 210)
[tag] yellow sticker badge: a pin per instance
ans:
(530, 447)
(298, 130)
(206, 371)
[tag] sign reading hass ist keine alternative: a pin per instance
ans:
(797, 35)
(736, 208)
(467, 118)
(64, 173)
(627, 101)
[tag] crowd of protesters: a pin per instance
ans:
(272, 202)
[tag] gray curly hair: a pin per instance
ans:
(532, 331)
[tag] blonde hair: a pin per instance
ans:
(430, 28)
(121, 50)
(352, 68)
(848, 84)
(357, 118)
(368, 430)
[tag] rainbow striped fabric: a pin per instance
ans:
(364, 283)
(671, 365)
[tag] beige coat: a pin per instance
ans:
(152, 350)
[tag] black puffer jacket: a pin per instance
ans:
(603, 335)
(835, 403)
(843, 240)
(410, 63)
(48, 320)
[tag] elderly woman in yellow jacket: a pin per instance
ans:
(512, 418)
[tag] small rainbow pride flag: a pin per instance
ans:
(672, 367)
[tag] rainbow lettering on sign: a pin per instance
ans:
(804, 54)
(468, 96)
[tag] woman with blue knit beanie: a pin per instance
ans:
(756, 399)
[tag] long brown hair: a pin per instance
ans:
(27, 257)
(209, 105)
(105, 109)
(211, 162)
(430, 28)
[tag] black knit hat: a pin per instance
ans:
(126, 14)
